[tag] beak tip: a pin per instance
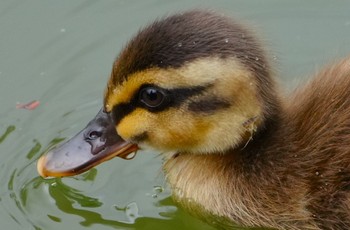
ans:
(41, 167)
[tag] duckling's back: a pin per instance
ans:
(320, 114)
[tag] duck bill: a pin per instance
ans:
(96, 143)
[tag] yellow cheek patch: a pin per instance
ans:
(174, 130)
(165, 130)
(168, 130)
(135, 123)
(188, 136)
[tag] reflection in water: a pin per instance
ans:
(20, 203)
(63, 194)
(131, 211)
(20, 199)
(9, 130)
(66, 199)
(74, 202)
(42, 203)
(13, 194)
(34, 150)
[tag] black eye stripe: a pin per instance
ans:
(120, 111)
(175, 98)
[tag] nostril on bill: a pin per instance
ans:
(93, 135)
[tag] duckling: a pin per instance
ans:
(198, 87)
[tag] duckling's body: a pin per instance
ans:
(293, 175)
(198, 87)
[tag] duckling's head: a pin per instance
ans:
(193, 83)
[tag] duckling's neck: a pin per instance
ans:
(240, 186)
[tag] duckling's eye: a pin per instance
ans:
(152, 97)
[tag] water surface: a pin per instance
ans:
(61, 52)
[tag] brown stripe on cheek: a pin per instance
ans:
(208, 105)
(140, 137)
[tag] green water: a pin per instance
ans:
(60, 52)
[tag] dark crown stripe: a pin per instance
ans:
(182, 38)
